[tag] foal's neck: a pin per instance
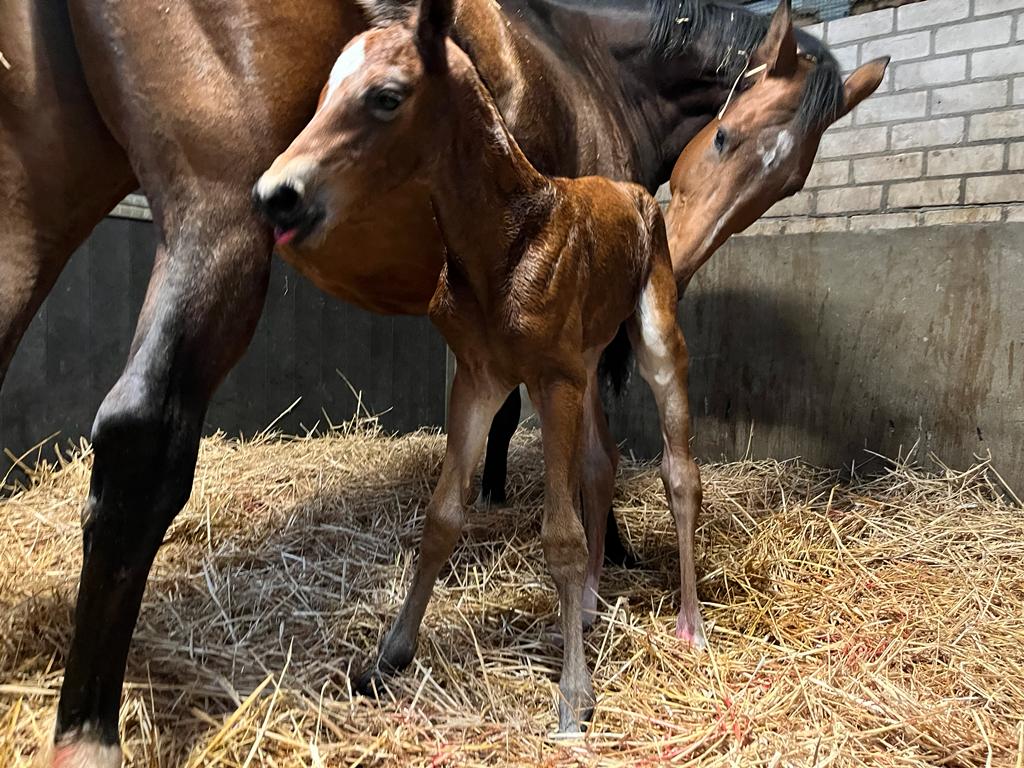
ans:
(482, 188)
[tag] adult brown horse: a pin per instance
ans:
(192, 100)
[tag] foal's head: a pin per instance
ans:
(380, 116)
(761, 147)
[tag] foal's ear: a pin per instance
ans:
(433, 22)
(862, 82)
(777, 52)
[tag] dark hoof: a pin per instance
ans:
(492, 497)
(372, 683)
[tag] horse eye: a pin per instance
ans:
(720, 140)
(384, 101)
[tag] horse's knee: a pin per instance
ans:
(565, 546)
(145, 443)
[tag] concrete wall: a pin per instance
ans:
(944, 132)
(823, 345)
(304, 345)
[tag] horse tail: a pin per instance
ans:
(613, 368)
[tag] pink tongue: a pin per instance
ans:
(283, 236)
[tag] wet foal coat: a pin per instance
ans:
(540, 272)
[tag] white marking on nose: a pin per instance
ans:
(771, 156)
(348, 64)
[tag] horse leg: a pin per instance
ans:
(600, 460)
(561, 406)
(473, 403)
(203, 301)
(60, 169)
(492, 485)
(662, 358)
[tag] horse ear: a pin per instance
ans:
(777, 52)
(433, 22)
(863, 82)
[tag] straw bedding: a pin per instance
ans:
(852, 622)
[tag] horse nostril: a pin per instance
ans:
(283, 202)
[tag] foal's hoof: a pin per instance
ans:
(575, 708)
(691, 631)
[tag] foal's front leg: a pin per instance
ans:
(565, 546)
(473, 402)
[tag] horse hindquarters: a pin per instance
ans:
(60, 169)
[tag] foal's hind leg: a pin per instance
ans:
(662, 358)
(600, 459)
(473, 403)
(561, 404)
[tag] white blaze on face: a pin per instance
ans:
(773, 155)
(350, 61)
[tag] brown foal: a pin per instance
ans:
(540, 273)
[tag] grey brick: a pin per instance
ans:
(931, 133)
(972, 35)
(887, 167)
(872, 221)
(817, 30)
(829, 224)
(962, 215)
(942, 71)
(931, 12)
(1006, 188)
(986, 7)
(762, 227)
(1015, 213)
(998, 61)
(850, 199)
(997, 125)
(912, 45)
(856, 27)
(832, 173)
(917, 194)
(971, 97)
(884, 109)
(1018, 90)
(1017, 156)
(847, 57)
(964, 160)
(797, 205)
(859, 141)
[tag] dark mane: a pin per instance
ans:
(725, 36)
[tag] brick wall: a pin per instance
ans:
(940, 142)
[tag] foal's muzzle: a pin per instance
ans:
(285, 207)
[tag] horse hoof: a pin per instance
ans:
(76, 752)
(372, 683)
(491, 497)
(571, 719)
(691, 632)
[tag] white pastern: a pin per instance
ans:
(83, 753)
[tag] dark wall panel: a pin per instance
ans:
(305, 344)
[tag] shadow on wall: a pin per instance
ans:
(77, 345)
(824, 345)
